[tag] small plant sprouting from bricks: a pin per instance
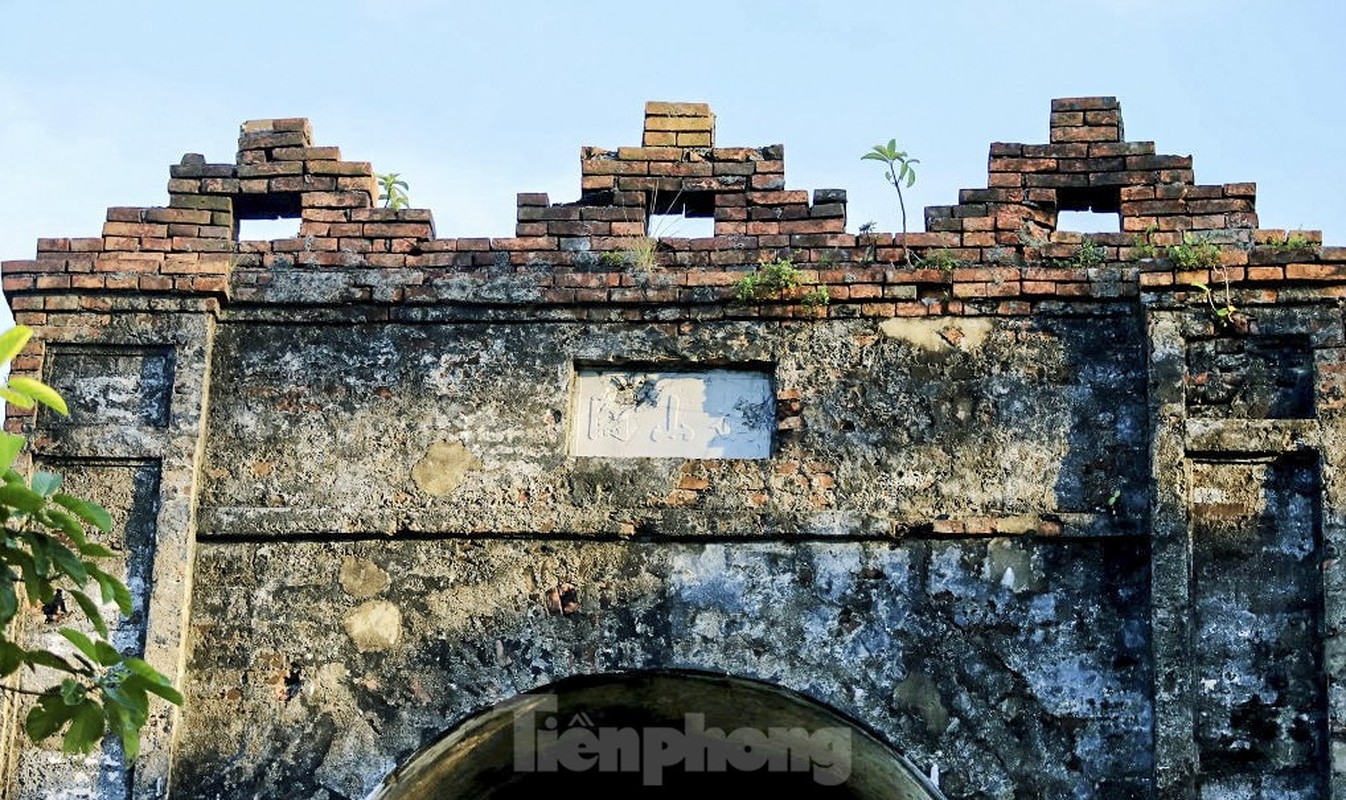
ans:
(941, 260)
(1223, 309)
(640, 253)
(612, 259)
(871, 250)
(1089, 255)
(393, 191)
(1112, 506)
(1294, 240)
(1193, 253)
(899, 171)
(817, 296)
(768, 279)
(1143, 244)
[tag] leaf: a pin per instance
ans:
(91, 610)
(47, 717)
(11, 655)
(46, 658)
(107, 655)
(130, 695)
(85, 729)
(21, 497)
(112, 589)
(68, 562)
(72, 692)
(126, 718)
(1201, 286)
(155, 680)
(130, 736)
(90, 512)
(37, 543)
(95, 550)
(126, 715)
(9, 603)
(12, 342)
(59, 520)
(15, 398)
(30, 577)
(40, 392)
(45, 483)
(81, 642)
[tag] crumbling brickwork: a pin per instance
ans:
(1053, 514)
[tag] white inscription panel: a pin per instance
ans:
(711, 414)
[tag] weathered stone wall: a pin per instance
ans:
(1013, 425)
(1043, 520)
(1014, 665)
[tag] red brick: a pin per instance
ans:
(1315, 271)
(335, 200)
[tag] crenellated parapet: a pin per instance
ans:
(998, 250)
(1088, 166)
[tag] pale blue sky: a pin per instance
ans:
(475, 102)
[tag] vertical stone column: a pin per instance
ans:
(1330, 394)
(1246, 595)
(136, 383)
(1170, 603)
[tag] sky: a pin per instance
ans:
(473, 102)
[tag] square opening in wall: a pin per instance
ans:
(266, 230)
(266, 217)
(635, 413)
(681, 215)
(676, 226)
(1096, 209)
(1088, 222)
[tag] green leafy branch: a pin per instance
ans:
(46, 551)
(393, 191)
(900, 170)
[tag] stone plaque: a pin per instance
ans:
(633, 414)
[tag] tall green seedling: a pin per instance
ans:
(899, 171)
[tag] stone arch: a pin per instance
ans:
(616, 730)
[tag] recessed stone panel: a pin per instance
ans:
(1250, 378)
(112, 385)
(1257, 557)
(710, 414)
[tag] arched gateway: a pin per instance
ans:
(662, 733)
